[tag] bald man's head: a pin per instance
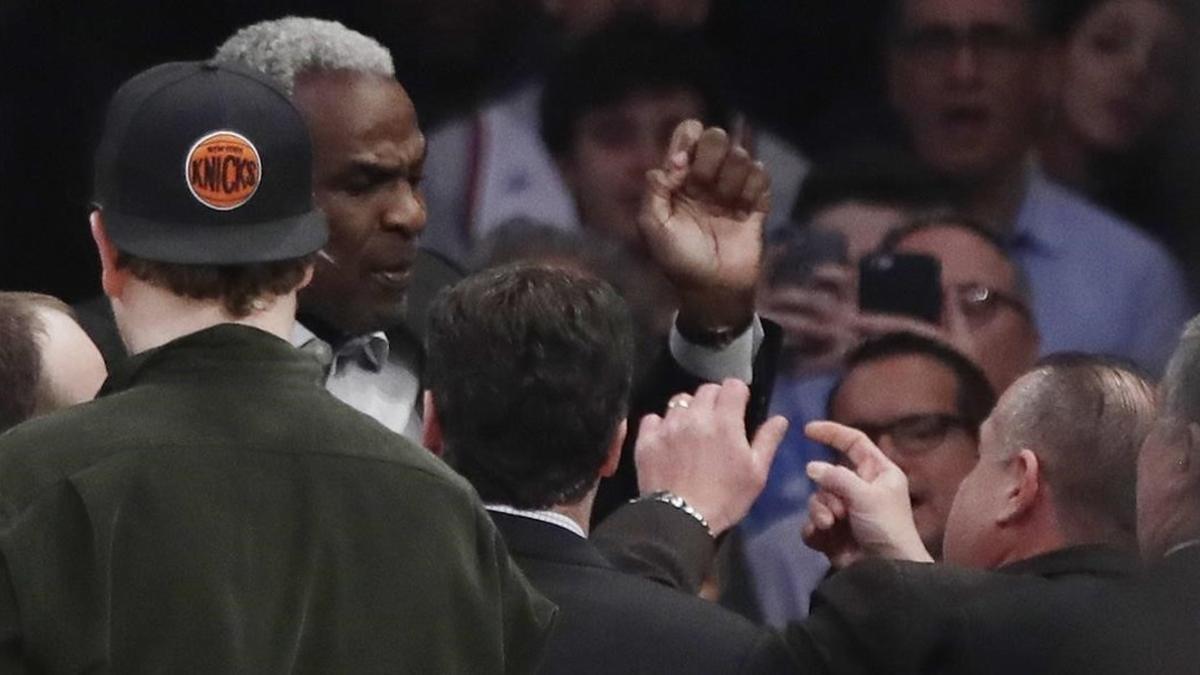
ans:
(1057, 464)
(1085, 417)
(47, 362)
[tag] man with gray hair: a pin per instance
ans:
(368, 157)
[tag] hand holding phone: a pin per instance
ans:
(907, 284)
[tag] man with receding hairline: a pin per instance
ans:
(47, 362)
(1018, 511)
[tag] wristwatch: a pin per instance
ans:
(674, 500)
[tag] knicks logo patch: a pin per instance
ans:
(223, 170)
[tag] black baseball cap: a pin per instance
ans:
(202, 163)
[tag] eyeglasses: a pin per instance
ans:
(980, 303)
(916, 434)
(939, 45)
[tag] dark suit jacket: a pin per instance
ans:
(896, 617)
(611, 622)
(1151, 626)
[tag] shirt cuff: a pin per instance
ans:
(735, 359)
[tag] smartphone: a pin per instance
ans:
(907, 284)
(803, 251)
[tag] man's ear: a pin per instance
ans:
(112, 278)
(431, 426)
(308, 275)
(614, 450)
(1024, 487)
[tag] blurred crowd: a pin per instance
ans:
(601, 336)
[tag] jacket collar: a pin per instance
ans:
(533, 539)
(1097, 560)
(224, 350)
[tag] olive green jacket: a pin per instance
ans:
(217, 511)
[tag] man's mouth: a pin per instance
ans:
(966, 119)
(393, 277)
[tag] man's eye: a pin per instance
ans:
(612, 134)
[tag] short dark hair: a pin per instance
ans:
(945, 217)
(21, 389)
(1062, 17)
(630, 54)
(236, 286)
(875, 177)
(530, 369)
(974, 397)
(1086, 417)
(1036, 10)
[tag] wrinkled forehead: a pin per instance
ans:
(964, 14)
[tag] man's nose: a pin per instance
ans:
(405, 209)
(965, 66)
(888, 445)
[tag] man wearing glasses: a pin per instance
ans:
(986, 309)
(922, 403)
(968, 81)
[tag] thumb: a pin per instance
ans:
(842, 482)
(767, 439)
(661, 187)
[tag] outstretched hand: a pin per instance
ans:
(702, 220)
(871, 500)
(698, 450)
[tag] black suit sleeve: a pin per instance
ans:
(667, 378)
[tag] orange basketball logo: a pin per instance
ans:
(223, 170)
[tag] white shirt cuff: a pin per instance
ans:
(735, 359)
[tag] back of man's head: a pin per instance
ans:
(46, 360)
(203, 187)
(1086, 418)
(529, 369)
(284, 48)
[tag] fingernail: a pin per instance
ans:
(679, 159)
(814, 471)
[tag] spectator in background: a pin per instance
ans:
(811, 291)
(965, 78)
(1121, 67)
(509, 160)
(47, 362)
(608, 111)
(922, 403)
(981, 285)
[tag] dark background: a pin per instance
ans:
(806, 68)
